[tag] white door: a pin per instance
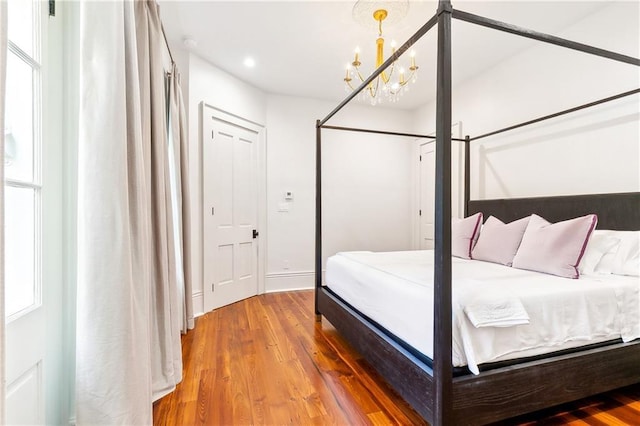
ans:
(32, 237)
(230, 200)
(427, 194)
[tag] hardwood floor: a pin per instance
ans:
(266, 361)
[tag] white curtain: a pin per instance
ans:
(3, 73)
(179, 150)
(128, 332)
(166, 349)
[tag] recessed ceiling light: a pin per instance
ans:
(249, 62)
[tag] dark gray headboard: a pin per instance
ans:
(619, 211)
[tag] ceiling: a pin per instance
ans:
(301, 47)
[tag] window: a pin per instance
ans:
(22, 159)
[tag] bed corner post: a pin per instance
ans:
(318, 249)
(467, 174)
(442, 363)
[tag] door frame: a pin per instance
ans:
(208, 110)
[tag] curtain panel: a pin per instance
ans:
(113, 331)
(128, 309)
(180, 149)
(3, 74)
(165, 325)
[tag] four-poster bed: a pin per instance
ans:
(505, 391)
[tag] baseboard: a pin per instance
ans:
(198, 304)
(274, 282)
(289, 281)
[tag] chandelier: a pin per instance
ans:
(392, 82)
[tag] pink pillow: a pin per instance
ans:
(499, 242)
(555, 248)
(464, 234)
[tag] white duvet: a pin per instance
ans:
(516, 313)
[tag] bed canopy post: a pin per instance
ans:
(467, 174)
(318, 249)
(442, 367)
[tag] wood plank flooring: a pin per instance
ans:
(266, 361)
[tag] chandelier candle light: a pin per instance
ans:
(386, 84)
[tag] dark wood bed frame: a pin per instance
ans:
(503, 392)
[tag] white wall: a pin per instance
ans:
(366, 186)
(591, 151)
(365, 216)
(203, 82)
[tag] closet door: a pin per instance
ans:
(230, 212)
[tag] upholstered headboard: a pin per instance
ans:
(619, 211)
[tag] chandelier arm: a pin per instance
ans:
(371, 90)
(349, 84)
(386, 77)
(360, 76)
(377, 87)
(413, 73)
(404, 83)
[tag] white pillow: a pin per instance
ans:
(605, 266)
(623, 258)
(627, 260)
(599, 245)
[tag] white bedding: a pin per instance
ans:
(530, 313)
